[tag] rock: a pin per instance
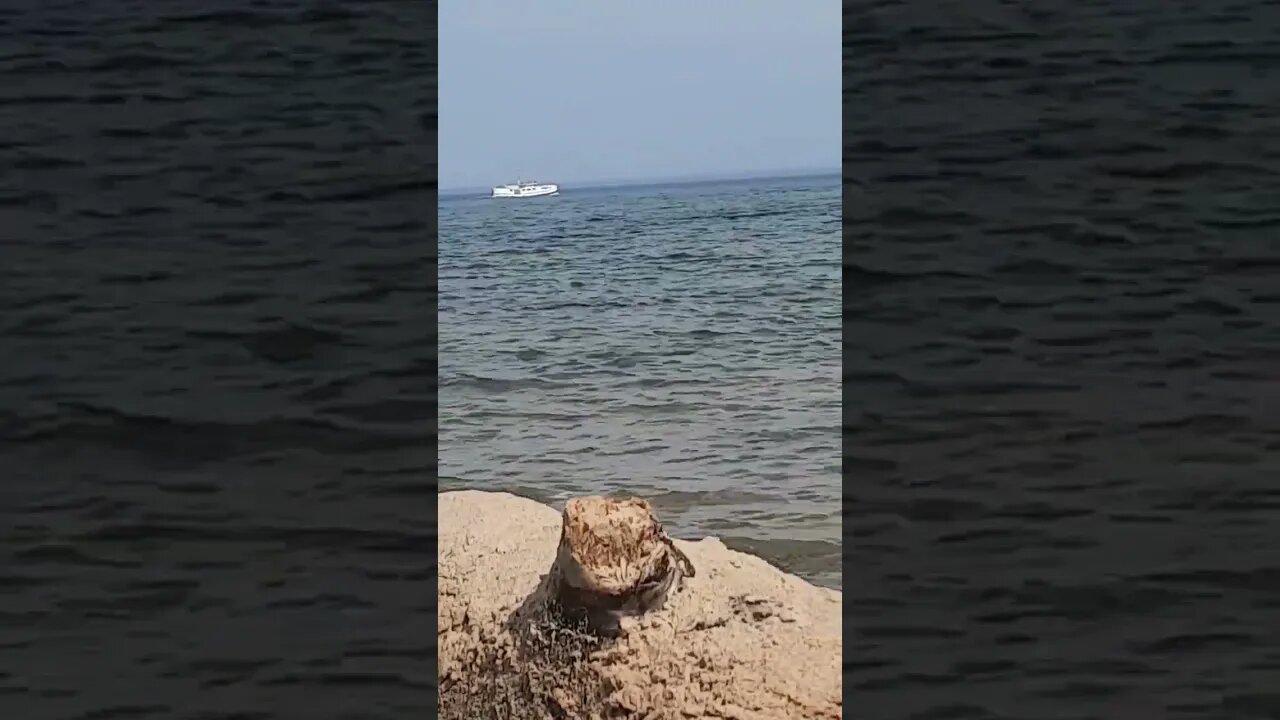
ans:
(740, 639)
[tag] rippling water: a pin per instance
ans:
(1064, 361)
(679, 342)
(216, 384)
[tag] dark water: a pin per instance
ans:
(680, 342)
(1062, 368)
(216, 383)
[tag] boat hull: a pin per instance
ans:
(526, 191)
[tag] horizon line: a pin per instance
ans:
(672, 179)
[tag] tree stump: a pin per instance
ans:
(614, 560)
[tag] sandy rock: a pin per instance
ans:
(740, 640)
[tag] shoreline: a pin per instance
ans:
(741, 637)
(816, 560)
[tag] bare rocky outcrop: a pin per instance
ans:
(739, 640)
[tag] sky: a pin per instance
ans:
(582, 91)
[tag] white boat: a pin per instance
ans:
(525, 188)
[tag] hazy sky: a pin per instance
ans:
(573, 91)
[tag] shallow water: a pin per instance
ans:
(1064, 360)
(680, 342)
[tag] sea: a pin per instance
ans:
(1062, 360)
(217, 366)
(676, 341)
(1061, 395)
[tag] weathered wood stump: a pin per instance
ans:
(614, 560)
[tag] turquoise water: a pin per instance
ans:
(681, 342)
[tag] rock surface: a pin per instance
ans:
(742, 640)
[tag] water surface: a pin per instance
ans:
(680, 342)
(217, 369)
(1063, 365)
